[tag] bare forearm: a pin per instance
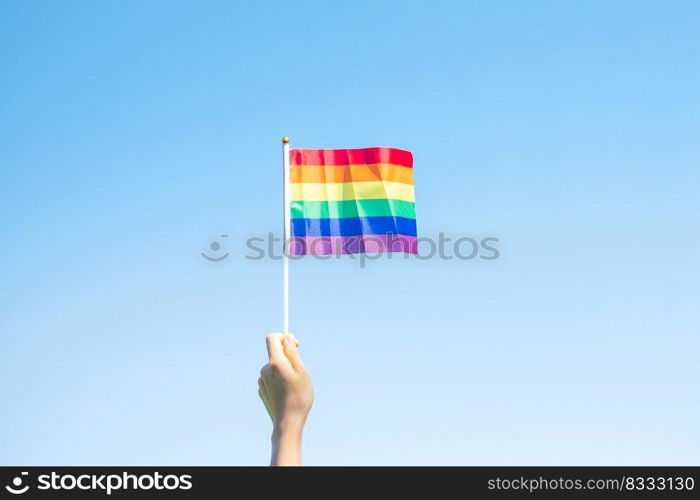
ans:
(286, 446)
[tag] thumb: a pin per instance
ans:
(291, 350)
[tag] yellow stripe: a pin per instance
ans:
(352, 191)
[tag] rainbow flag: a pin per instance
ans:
(346, 201)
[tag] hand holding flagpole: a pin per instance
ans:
(287, 232)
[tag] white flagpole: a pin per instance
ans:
(286, 244)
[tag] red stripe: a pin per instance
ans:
(351, 156)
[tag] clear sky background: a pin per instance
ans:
(133, 134)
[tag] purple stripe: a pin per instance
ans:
(368, 243)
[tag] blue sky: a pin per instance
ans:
(133, 134)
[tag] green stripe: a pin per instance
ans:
(353, 208)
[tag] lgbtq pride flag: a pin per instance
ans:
(346, 201)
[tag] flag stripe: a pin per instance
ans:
(328, 245)
(351, 173)
(353, 226)
(353, 208)
(350, 156)
(351, 191)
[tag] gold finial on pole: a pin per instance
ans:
(285, 140)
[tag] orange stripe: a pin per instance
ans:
(351, 173)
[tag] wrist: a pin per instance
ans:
(288, 428)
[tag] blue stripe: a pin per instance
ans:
(353, 226)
